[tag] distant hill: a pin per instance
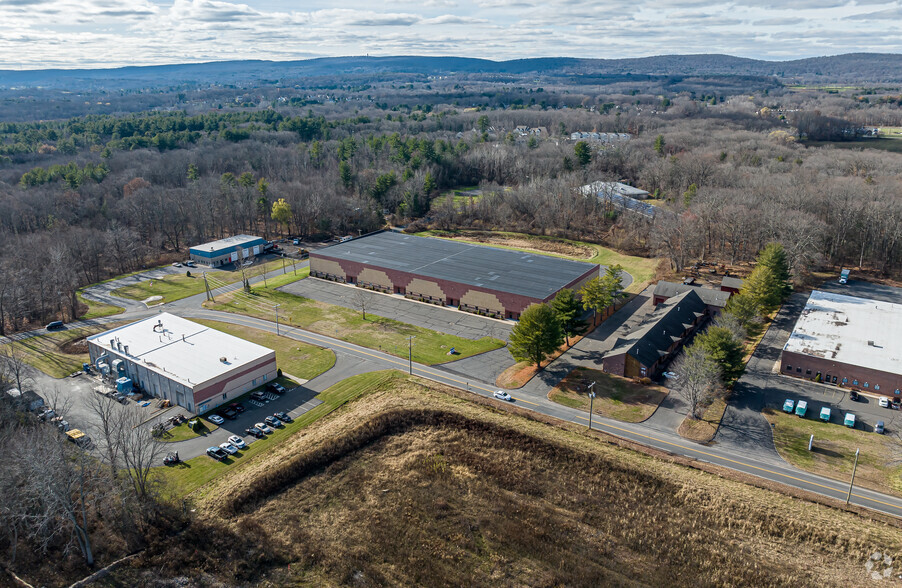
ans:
(850, 68)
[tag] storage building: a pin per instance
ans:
(235, 249)
(848, 341)
(496, 282)
(193, 366)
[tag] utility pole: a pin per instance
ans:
(410, 354)
(591, 403)
(854, 467)
(276, 307)
(207, 288)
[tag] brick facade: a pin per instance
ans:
(847, 375)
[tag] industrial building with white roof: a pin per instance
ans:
(228, 250)
(191, 365)
(848, 341)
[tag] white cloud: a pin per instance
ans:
(75, 33)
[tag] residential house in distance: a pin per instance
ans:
(604, 138)
(715, 300)
(646, 351)
(614, 189)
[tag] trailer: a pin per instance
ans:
(825, 414)
(801, 408)
(844, 276)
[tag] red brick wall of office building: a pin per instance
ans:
(868, 379)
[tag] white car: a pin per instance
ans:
(263, 427)
(237, 442)
(671, 375)
(176, 264)
(883, 401)
(228, 448)
(215, 419)
(502, 395)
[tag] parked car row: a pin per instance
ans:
(800, 409)
(259, 430)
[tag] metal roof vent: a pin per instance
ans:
(871, 344)
(126, 349)
(224, 359)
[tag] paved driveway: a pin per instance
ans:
(429, 316)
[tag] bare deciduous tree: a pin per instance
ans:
(360, 299)
(698, 378)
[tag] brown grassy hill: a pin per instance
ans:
(418, 485)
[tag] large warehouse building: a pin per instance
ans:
(193, 366)
(228, 250)
(476, 278)
(849, 341)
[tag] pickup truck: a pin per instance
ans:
(801, 408)
(849, 421)
(789, 405)
(825, 414)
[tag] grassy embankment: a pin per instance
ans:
(375, 332)
(177, 286)
(833, 453)
(642, 269)
(60, 353)
(420, 482)
(616, 398)
(94, 309)
(191, 475)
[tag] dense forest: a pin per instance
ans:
(95, 183)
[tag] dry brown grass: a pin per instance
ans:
(616, 397)
(420, 485)
(703, 429)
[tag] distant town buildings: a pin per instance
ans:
(604, 138)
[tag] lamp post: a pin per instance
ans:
(410, 354)
(276, 308)
(591, 403)
(854, 467)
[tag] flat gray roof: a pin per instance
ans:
(504, 270)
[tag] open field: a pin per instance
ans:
(834, 450)
(178, 286)
(891, 144)
(299, 359)
(641, 268)
(421, 485)
(60, 353)
(616, 398)
(460, 197)
(96, 309)
(375, 332)
(191, 475)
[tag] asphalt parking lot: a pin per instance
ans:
(864, 290)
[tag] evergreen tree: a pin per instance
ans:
(537, 335)
(567, 309)
(774, 257)
(659, 145)
(583, 153)
(764, 289)
(725, 349)
(744, 308)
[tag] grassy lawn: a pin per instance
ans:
(616, 398)
(834, 450)
(388, 335)
(178, 286)
(97, 309)
(642, 269)
(301, 360)
(187, 477)
(458, 196)
(58, 353)
(184, 432)
(703, 430)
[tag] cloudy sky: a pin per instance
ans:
(109, 33)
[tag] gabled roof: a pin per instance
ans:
(731, 282)
(710, 297)
(664, 326)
